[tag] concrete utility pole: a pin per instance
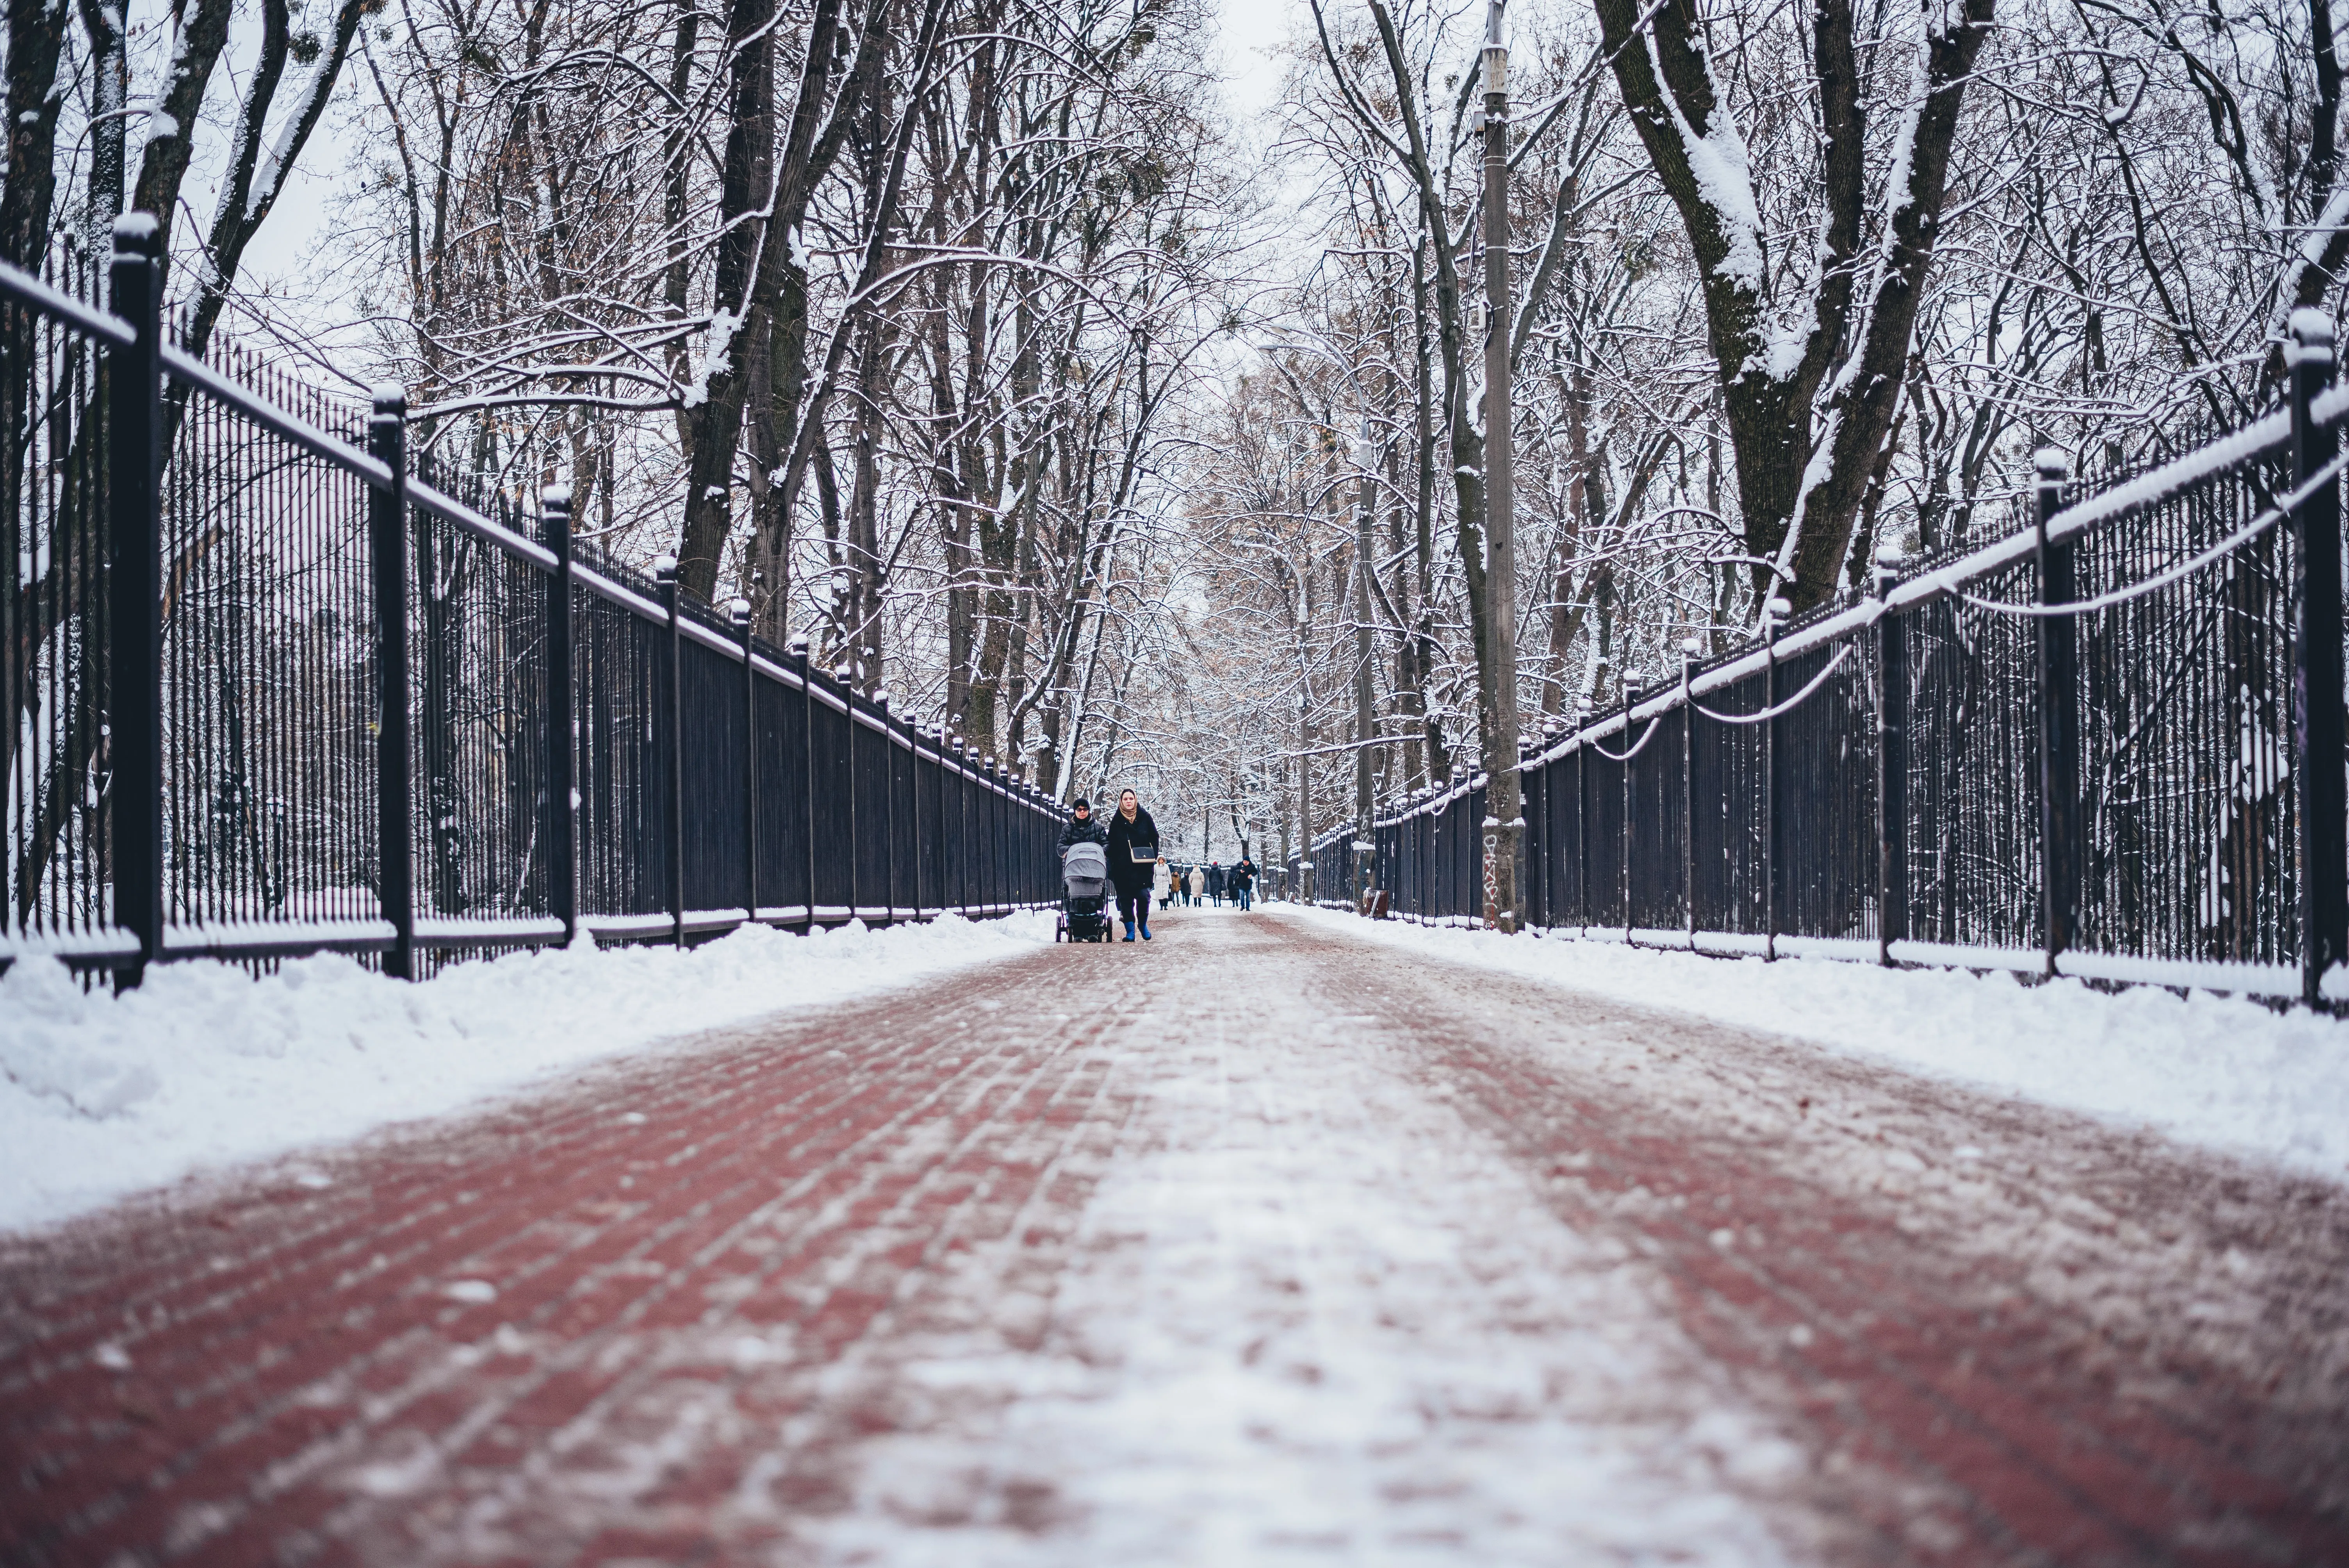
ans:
(1366, 461)
(1505, 823)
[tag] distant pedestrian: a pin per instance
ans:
(1243, 880)
(1215, 883)
(1132, 861)
(1198, 884)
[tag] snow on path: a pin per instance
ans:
(203, 1065)
(1257, 1245)
(2212, 1070)
(1311, 1315)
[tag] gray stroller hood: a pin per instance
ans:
(1085, 870)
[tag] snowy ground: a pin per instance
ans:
(1311, 1316)
(203, 1065)
(2212, 1070)
(1262, 1244)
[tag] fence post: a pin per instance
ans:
(1689, 647)
(1532, 791)
(562, 743)
(1634, 696)
(888, 809)
(2316, 664)
(992, 892)
(846, 674)
(673, 744)
(967, 757)
(134, 387)
(394, 784)
(936, 735)
(740, 612)
(1634, 682)
(1774, 616)
(914, 807)
(1582, 813)
(799, 652)
(1891, 765)
(2059, 717)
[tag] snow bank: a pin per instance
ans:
(101, 1096)
(2207, 1069)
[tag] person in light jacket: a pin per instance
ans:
(1198, 884)
(1132, 830)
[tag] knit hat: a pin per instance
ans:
(1083, 804)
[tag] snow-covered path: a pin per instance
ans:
(1261, 1245)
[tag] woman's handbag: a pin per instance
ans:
(1144, 854)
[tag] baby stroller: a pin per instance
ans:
(1084, 911)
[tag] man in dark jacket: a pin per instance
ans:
(1133, 832)
(1082, 828)
(1215, 883)
(1242, 881)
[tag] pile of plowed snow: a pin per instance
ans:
(103, 1095)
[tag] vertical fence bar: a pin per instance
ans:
(135, 526)
(395, 786)
(562, 743)
(672, 745)
(2316, 664)
(2059, 717)
(739, 611)
(1891, 767)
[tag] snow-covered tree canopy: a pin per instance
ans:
(974, 340)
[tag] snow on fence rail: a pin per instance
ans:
(2131, 791)
(272, 692)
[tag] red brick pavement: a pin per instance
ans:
(707, 1263)
(1950, 1352)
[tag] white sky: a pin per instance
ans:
(1248, 29)
(286, 261)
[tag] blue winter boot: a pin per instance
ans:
(1146, 928)
(1129, 931)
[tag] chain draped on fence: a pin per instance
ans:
(275, 693)
(2107, 746)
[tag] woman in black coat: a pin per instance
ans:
(1130, 829)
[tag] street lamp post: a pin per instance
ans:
(1505, 823)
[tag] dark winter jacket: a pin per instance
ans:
(1216, 881)
(1123, 837)
(1082, 830)
(1242, 874)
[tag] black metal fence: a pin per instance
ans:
(2108, 745)
(275, 692)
